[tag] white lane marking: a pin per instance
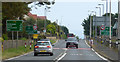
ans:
(91, 55)
(76, 54)
(19, 56)
(97, 53)
(80, 54)
(58, 57)
(87, 44)
(101, 56)
(62, 56)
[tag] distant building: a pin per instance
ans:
(34, 16)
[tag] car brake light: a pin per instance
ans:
(36, 46)
(48, 46)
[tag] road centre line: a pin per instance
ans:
(62, 55)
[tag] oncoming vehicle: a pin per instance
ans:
(71, 42)
(70, 35)
(43, 47)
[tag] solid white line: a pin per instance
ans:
(19, 56)
(58, 56)
(101, 56)
(97, 53)
(62, 56)
(87, 44)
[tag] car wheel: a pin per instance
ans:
(51, 54)
(66, 46)
(76, 46)
(35, 54)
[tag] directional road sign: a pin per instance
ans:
(14, 25)
(106, 31)
(30, 30)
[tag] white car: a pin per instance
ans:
(43, 47)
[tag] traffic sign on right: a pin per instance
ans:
(106, 31)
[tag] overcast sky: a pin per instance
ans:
(71, 14)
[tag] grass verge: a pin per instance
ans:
(13, 52)
(53, 41)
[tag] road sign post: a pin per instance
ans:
(17, 40)
(14, 25)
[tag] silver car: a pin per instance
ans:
(43, 47)
(71, 42)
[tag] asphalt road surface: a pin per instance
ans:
(61, 54)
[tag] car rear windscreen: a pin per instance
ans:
(70, 35)
(71, 39)
(43, 43)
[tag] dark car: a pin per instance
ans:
(71, 42)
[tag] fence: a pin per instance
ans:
(14, 44)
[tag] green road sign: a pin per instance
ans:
(30, 30)
(35, 31)
(14, 25)
(106, 31)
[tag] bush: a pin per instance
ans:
(1, 39)
(5, 37)
(23, 39)
(42, 37)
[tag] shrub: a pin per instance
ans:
(23, 39)
(5, 37)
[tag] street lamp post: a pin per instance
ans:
(110, 24)
(103, 7)
(90, 23)
(118, 27)
(95, 24)
(106, 10)
(45, 22)
(106, 5)
(46, 7)
(118, 31)
(100, 10)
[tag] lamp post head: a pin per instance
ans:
(103, 0)
(100, 4)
